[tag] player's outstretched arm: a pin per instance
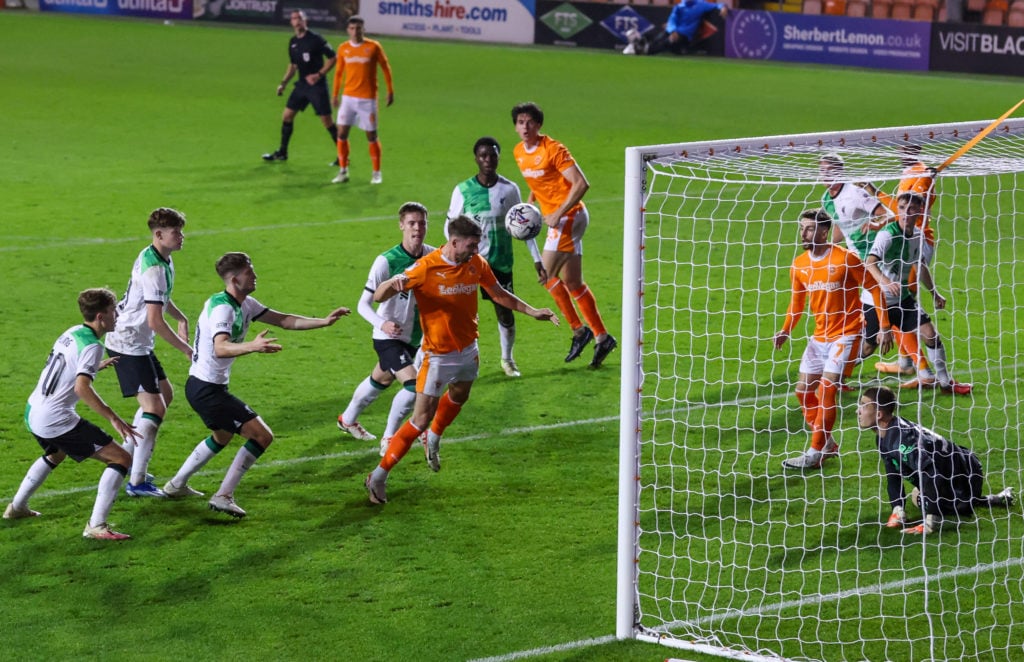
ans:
(301, 323)
(503, 297)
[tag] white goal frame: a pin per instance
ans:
(632, 418)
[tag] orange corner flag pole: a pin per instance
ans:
(976, 139)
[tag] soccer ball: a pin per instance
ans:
(523, 221)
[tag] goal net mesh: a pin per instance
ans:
(731, 551)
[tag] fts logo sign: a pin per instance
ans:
(623, 21)
(565, 20)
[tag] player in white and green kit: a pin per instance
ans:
(486, 197)
(219, 339)
(898, 248)
(50, 416)
(396, 331)
(140, 319)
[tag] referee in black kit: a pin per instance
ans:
(313, 58)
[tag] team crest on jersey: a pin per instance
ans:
(305, 57)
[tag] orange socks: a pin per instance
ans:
(399, 445)
(446, 412)
(826, 413)
(588, 307)
(809, 406)
(560, 293)
(343, 153)
(375, 155)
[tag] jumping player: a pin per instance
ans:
(558, 185)
(445, 283)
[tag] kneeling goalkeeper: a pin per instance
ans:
(947, 478)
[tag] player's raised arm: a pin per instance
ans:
(300, 323)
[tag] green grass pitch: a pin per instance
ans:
(512, 546)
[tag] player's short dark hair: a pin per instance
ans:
(300, 12)
(232, 263)
(94, 301)
(883, 397)
(911, 195)
(465, 227)
(819, 216)
(166, 218)
(410, 207)
(486, 141)
(355, 18)
(528, 108)
(833, 160)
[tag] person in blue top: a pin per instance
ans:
(680, 33)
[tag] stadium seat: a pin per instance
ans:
(902, 9)
(812, 6)
(880, 8)
(995, 12)
(925, 10)
(1015, 17)
(835, 7)
(857, 8)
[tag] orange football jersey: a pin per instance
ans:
(833, 284)
(542, 169)
(447, 297)
(357, 65)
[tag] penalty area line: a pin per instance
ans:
(284, 462)
(545, 650)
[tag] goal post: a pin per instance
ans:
(721, 551)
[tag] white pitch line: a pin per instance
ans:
(534, 652)
(269, 464)
(730, 614)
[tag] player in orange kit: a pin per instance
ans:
(358, 59)
(558, 185)
(916, 178)
(831, 277)
(445, 283)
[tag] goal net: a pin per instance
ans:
(720, 549)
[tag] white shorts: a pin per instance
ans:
(829, 356)
(440, 370)
(567, 237)
(354, 111)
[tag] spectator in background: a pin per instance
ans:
(681, 32)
